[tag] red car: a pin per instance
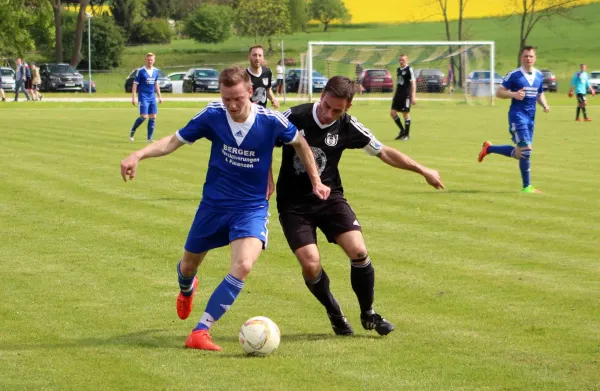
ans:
(377, 80)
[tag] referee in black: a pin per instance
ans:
(404, 97)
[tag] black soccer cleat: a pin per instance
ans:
(374, 321)
(340, 325)
(400, 136)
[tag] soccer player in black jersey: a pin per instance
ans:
(329, 130)
(406, 86)
(260, 77)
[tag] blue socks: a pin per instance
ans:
(220, 301)
(151, 124)
(525, 167)
(136, 124)
(186, 284)
(506, 150)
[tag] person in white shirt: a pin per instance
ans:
(280, 71)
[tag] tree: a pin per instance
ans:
(182, 9)
(123, 11)
(57, 10)
(462, 4)
(262, 19)
(14, 39)
(210, 23)
(298, 14)
(81, 20)
(532, 11)
(158, 8)
(325, 11)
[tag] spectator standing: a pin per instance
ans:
(20, 80)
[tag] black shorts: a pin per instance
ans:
(401, 102)
(581, 98)
(333, 218)
(28, 84)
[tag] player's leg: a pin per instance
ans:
(579, 100)
(584, 108)
(341, 226)
(301, 235)
(2, 93)
(152, 112)
(407, 121)
(394, 115)
(523, 138)
(143, 109)
(504, 150)
(186, 277)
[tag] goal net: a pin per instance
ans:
(444, 71)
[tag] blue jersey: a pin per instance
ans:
(580, 82)
(240, 155)
(523, 111)
(145, 80)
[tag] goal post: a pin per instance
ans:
(472, 62)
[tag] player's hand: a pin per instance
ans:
(275, 103)
(546, 109)
(570, 94)
(519, 95)
(413, 100)
(159, 99)
(128, 167)
(433, 178)
(593, 92)
(134, 101)
(321, 191)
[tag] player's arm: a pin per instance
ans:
(162, 147)
(134, 93)
(395, 158)
(541, 100)
(413, 87)
(270, 183)
(271, 97)
(308, 161)
(157, 90)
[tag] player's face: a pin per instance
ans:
(528, 58)
(149, 61)
(236, 99)
(331, 108)
(583, 67)
(403, 61)
(256, 57)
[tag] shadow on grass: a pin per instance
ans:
(462, 192)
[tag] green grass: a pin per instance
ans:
(488, 288)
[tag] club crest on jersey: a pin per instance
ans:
(331, 139)
(265, 81)
(403, 73)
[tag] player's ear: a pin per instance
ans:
(349, 105)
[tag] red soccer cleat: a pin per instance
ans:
(200, 339)
(578, 120)
(484, 151)
(186, 303)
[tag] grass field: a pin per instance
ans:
(488, 288)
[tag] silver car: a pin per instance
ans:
(8, 79)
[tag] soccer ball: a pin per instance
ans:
(259, 336)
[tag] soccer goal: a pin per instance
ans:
(373, 65)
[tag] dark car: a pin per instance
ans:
(163, 82)
(60, 77)
(201, 79)
(430, 80)
(86, 86)
(550, 83)
(297, 76)
(373, 80)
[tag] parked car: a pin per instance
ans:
(594, 80)
(8, 78)
(373, 80)
(550, 83)
(86, 86)
(177, 81)
(295, 76)
(430, 80)
(201, 79)
(60, 77)
(163, 81)
(478, 83)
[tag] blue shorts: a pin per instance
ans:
(212, 229)
(148, 107)
(521, 133)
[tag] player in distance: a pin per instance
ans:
(143, 94)
(404, 97)
(233, 209)
(581, 84)
(330, 130)
(260, 76)
(524, 86)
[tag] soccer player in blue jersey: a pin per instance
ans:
(581, 84)
(525, 87)
(145, 86)
(234, 205)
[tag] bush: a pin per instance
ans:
(151, 31)
(210, 23)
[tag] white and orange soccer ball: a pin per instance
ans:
(259, 336)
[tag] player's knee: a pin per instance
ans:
(143, 116)
(357, 252)
(242, 267)
(526, 153)
(310, 262)
(393, 114)
(361, 259)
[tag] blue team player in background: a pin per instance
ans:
(145, 86)
(525, 87)
(234, 202)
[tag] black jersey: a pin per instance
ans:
(327, 143)
(261, 84)
(404, 75)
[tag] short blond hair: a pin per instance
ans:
(150, 54)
